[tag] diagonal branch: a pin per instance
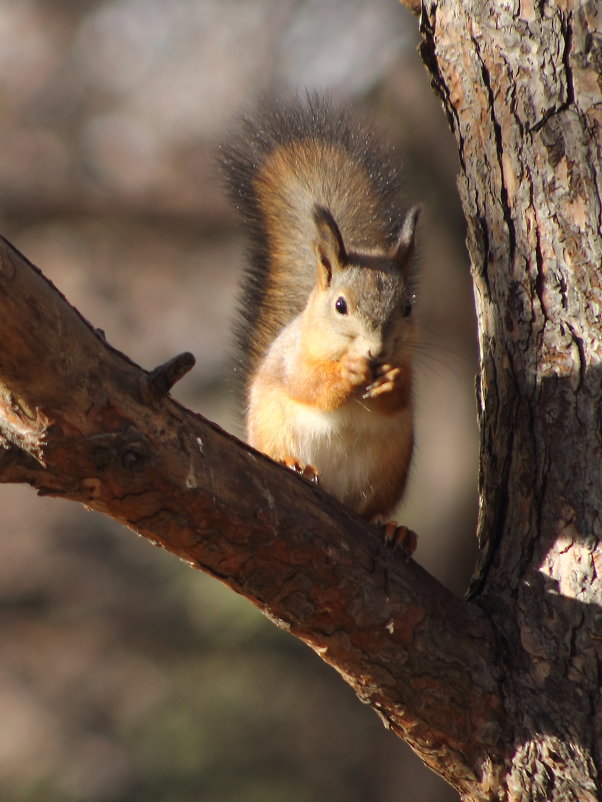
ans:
(81, 421)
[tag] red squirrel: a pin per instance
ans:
(327, 332)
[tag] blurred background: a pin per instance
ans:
(124, 674)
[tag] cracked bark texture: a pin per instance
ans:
(521, 83)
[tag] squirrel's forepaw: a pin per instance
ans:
(386, 381)
(305, 471)
(356, 370)
(397, 537)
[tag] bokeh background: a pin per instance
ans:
(124, 674)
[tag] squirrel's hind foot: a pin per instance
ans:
(397, 537)
(305, 471)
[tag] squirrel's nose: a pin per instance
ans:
(375, 353)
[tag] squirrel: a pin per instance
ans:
(326, 330)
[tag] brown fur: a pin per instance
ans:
(328, 387)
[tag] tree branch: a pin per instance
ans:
(81, 421)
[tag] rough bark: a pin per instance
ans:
(521, 86)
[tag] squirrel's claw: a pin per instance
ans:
(397, 537)
(305, 471)
(386, 380)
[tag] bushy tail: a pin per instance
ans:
(283, 161)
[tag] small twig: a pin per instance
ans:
(162, 378)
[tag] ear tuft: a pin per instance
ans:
(406, 242)
(330, 247)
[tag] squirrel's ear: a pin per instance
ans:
(330, 247)
(405, 246)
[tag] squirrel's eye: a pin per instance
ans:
(407, 306)
(341, 305)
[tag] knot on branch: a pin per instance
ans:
(128, 449)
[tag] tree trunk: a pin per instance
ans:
(521, 85)
(500, 694)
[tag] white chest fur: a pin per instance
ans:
(348, 447)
